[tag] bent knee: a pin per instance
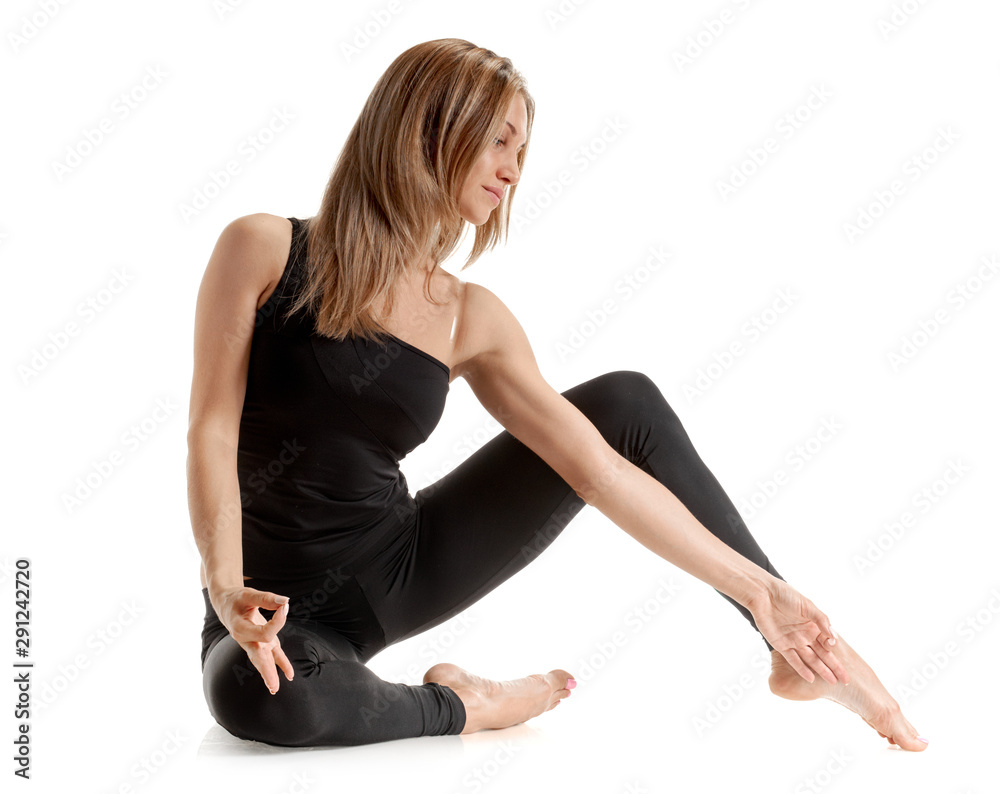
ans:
(318, 707)
(239, 700)
(626, 390)
(624, 405)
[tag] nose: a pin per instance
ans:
(509, 171)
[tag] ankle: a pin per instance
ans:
(475, 707)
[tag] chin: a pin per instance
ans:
(476, 213)
(476, 221)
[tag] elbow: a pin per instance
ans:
(210, 448)
(210, 429)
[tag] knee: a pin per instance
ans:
(630, 387)
(240, 702)
(324, 703)
(624, 402)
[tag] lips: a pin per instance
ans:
(496, 192)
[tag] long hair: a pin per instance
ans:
(393, 196)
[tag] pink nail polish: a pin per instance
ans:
(571, 683)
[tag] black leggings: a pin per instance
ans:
(463, 536)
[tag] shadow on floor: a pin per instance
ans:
(218, 742)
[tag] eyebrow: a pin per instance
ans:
(514, 130)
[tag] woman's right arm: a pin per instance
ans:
(245, 262)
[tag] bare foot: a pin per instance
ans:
(865, 695)
(500, 704)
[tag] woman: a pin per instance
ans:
(324, 351)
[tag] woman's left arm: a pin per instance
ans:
(648, 511)
(505, 378)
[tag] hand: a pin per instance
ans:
(799, 631)
(237, 608)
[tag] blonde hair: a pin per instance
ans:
(393, 196)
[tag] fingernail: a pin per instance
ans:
(571, 683)
(282, 599)
(272, 691)
(831, 641)
(923, 740)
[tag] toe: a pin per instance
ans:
(564, 680)
(913, 744)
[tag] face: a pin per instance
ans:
(496, 169)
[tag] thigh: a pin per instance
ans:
(477, 526)
(496, 512)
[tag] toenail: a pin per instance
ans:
(571, 683)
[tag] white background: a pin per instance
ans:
(115, 691)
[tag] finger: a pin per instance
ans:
(283, 663)
(817, 629)
(246, 631)
(264, 633)
(824, 639)
(820, 624)
(273, 625)
(262, 599)
(277, 620)
(836, 666)
(828, 637)
(797, 665)
(818, 665)
(261, 659)
(249, 608)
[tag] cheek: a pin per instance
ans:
(474, 179)
(485, 169)
(480, 175)
(473, 186)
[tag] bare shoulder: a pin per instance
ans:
(259, 228)
(503, 374)
(255, 248)
(489, 330)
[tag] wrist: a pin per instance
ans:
(219, 584)
(755, 588)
